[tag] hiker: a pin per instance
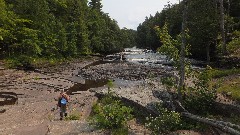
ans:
(62, 103)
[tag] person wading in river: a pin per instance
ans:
(62, 103)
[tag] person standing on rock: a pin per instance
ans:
(62, 103)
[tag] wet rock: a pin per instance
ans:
(127, 71)
(2, 110)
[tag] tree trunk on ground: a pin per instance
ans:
(224, 48)
(221, 125)
(224, 126)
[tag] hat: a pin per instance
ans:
(62, 90)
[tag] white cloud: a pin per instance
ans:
(130, 13)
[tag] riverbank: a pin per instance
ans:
(32, 113)
(30, 97)
(28, 100)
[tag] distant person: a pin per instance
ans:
(62, 103)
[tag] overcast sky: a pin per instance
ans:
(130, 13)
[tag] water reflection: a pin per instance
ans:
(87, 85)
(8, 98)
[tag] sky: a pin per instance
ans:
(130, 13)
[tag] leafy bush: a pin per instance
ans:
(221, 73)
(110, 113)
(190, 124)
(230, 87)
(165, 122)
(120, 131)
(74, 115)
(21, 61)
(234, 45)
(201, 96)
(235, 119)
(169, 82)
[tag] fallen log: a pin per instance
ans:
(224, 109)
(224, 126)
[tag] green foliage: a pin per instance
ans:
(234, 44)
(221, 73)
(74, 115)
(202, 23)
(169, 82)
(235, 119)
(22, 62)
(110, 84)
(201, 96)
(57, 29)
(128, 38)
(189, 124)
(165, 122)
(230, 87)
(170, 46)
(110, 113)
(120, 131)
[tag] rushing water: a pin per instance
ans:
(134, 55)
(148, 57)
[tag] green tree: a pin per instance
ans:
(96, 5)
(16, 34)
(128, 37)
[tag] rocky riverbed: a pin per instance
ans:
(28, 98)
(33, 95)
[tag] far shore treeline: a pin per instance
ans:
(59, 29)
(69, 28)
(203, 22)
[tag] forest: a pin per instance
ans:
(70, 28)
(212, 32)
(59, 29)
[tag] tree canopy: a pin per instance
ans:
(203, 26)
(59, 28)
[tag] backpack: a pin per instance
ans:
(63, 101)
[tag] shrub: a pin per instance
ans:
(169, 82)
(201, 96)
(110, 113)
(120, 131)
(234, 45)
(222, 73)
(230, 87)
(74, 115)
(166, 121)
(21, 61)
